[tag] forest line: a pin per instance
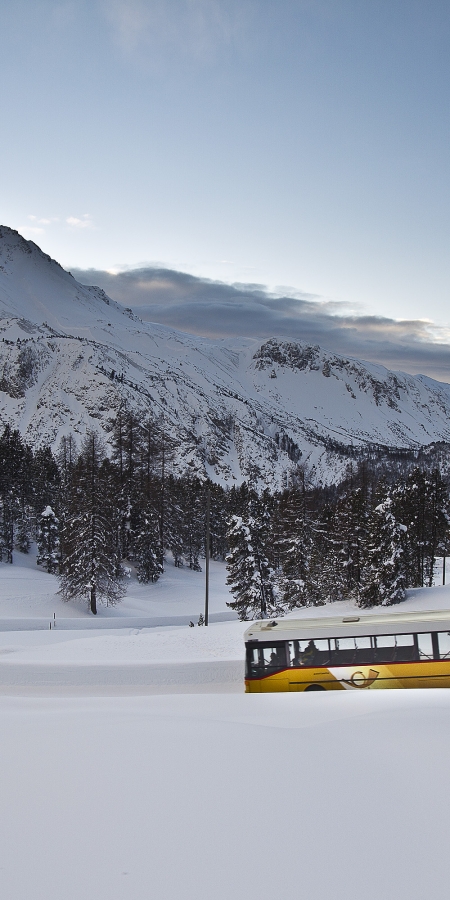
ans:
(92, 510)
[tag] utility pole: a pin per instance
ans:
(162, 522)
(208, 504)
(443, 560)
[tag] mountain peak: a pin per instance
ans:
(12, 243)
(70, 358)
(35, 287)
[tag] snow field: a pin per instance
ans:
(29, 592)
(225, 797)
(219, 641)
(118, 637)
(111, 792)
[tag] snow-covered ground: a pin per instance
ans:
(149, 627)
(243, 797)
(27, 591)
(110, 791)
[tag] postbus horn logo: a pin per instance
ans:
(359, 680)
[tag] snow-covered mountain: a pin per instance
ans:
(236, 408)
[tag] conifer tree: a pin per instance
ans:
(66, 457)
(217, 519)
(292, 548)
(15, 492)
(437, 514)
(91, 568)
(194, 518)
(148, 547)
(174, 519)
(46, 480)
(48, 541)
(23, 531)
(126, 453)
(8, 507)
(421, 503)
(384, 577)
(410, 506)
(250, 575)
(350, 528)
(326, 577)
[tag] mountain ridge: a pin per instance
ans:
(236, 409)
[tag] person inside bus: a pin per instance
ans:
(309, 655)
(275, 660)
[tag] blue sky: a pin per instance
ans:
(300, 145)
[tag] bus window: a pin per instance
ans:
(406, 650)
(309, 653)
(425, 647)
(343, 651)
(253, 661)
(274, 656)
(364, 650)
(385, 644)
(396, 648)
(444, 644)
(350, 651)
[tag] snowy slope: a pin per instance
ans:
(29, 592)
(70, 356)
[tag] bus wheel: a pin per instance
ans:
(315, 687)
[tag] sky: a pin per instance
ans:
(297, 149)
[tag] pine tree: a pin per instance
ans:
(158, 453)
(292, 548)
(148, 547)
(194, 520)
(91, 567)
(46, 480)
(16, 463)
(421, 503)
(410, 506)
(218, 520)
(350, 527)
(66, 458)
(174, 519)
(48, 541)
(250, 575)
(148, 498)
(8, 513)
(438, 503)
(23, 531)
(326, 577)
(384, 577)
(126, 453)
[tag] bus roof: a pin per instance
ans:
(347, 626)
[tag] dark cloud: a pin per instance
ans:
(215, 309)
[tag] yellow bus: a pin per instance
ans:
(385, 650)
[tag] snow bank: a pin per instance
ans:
(219, 641)
(201, 797)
